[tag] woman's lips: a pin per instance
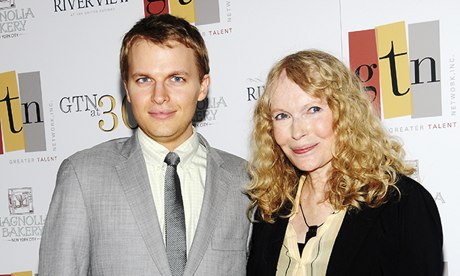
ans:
(303, 150)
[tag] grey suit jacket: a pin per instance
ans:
(102, 218)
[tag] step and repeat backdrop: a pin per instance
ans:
(60, 89)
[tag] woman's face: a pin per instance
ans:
(302, 127)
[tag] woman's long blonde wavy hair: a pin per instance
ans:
(366, 159)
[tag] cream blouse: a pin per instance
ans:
(317, 251)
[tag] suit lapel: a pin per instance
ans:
(214, 195)
(134, 180)
(355, 229)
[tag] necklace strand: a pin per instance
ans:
(305, 220)
(312, 230)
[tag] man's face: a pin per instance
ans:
(163, 87)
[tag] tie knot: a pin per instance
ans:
(172, 159)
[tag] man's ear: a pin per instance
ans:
(127, 92)
(204, 87)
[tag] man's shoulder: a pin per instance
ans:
(223, 156)
(233, 164)
(228, 157)
(109, 150)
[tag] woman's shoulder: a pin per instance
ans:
(408, 187)
(411, 193)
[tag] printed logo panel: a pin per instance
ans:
(365, 60)
(408, 80)
(394, 70)
(199, 12)
(23, 273)
(10, 113)
(21, 115)
(425, 59)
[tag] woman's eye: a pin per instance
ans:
(314, 109)
(280, 116)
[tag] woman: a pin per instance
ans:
(330, 188)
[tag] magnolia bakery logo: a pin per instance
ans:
(14, 20)
(22, 225)
(207, 111)
(7, 4)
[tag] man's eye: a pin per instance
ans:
(280, 116)
(142, 80)
(177, 79)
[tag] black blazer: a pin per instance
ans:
(401, 237)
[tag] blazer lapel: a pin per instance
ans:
(135, 182)
(353, 232)
(214, 195)
(273, 234)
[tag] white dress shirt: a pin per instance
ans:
(192, 175)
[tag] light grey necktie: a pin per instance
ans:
(176, 246)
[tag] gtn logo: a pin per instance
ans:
(198, 12)
(21, 115)
(400, 80)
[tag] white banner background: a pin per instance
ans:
(76, 53)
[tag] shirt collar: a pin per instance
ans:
(155, 153)
(297, 196)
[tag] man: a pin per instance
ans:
(110, 210)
